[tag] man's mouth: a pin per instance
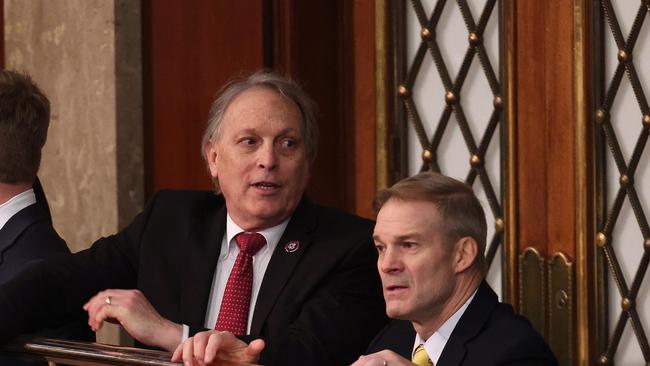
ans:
(395, 289)
(267, 186)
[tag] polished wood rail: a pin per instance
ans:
(63, 352)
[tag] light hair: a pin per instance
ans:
(459, 209)
(273, 81)
(24, 120)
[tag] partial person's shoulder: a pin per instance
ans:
(35, 235)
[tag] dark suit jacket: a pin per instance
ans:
(318, 305)
(27, 236)
(488, 333)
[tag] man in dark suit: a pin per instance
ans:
(430, 236)
(26, 232)
(254, 260)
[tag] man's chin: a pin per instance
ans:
(270, 217)
(395, 312)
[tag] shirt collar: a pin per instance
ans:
(15, 204)
(436, 343)
(272, 234)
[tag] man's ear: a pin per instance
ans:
(211, 156)
(466, 250)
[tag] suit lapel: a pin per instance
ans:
(17, 224)
(283, 262)
(469, 325)
(202, 249)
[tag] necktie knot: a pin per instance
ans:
(250, 243)
(420, 357)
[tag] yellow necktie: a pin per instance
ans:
(420, 357)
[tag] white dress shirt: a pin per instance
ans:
(436, 343)
(15, 204)
(225, 262)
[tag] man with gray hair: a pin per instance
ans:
(255, 260)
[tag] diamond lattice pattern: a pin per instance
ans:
(474, 132)
(623, 124)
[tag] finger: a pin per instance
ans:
(390, 358)
(96, 302)
(200, 342)
(178, 352)
(255, 348)
(215, 341)
(106, 313)
(188, 351)
(177, 356)
(92, 300)
(89, 304)
(93, 310)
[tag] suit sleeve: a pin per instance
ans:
(52, 292)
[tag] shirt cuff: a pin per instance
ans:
(186, 333)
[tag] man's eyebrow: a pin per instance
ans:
(402, 237)
(246, 131)
(288, 130)
(249, 130)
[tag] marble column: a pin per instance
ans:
(86, 55)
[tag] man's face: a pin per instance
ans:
(259, 158)
(415, 265)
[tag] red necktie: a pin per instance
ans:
(233, 314)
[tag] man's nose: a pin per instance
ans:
(389, 261)
(267, 157)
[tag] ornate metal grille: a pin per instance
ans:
(625, 141)
(433, 148)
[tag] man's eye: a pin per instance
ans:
(408, 245)
(380, 248)
(288, 143)
(248, 141)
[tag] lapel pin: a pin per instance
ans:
(292, 246)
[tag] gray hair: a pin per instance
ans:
(273, 81)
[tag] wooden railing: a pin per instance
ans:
(62, 352)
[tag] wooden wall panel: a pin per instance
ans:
(559, 91)
(363, 119)
(531, 125)
(545, 95)
(189, 52)
(552, 170)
